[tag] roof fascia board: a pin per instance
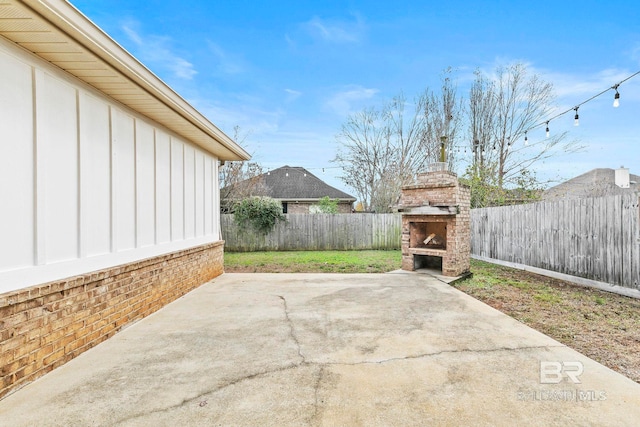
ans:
(72, 22)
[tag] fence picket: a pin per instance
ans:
(318, 232)
(597, 238)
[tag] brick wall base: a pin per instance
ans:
(45, 326)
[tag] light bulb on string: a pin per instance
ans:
(547, 130)
(526, 139)
(616, 99)
(576, 119)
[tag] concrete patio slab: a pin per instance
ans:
(327, 350)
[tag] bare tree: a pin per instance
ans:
(502, 108)
(239, 180)
(382, 149)
(482, 108)
(365, 154)
(444, 116)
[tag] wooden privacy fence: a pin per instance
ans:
(597, 238)
(318, 232)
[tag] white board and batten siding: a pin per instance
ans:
(86, 183)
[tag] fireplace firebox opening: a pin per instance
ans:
(430, 235)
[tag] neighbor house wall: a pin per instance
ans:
(106, 217)
(305, 207)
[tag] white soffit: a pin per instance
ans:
(57, 32)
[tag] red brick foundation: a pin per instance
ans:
(44, 326)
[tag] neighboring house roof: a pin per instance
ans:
(595, 183)
(58, 33)
(298, 184)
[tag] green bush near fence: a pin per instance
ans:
(259, 213)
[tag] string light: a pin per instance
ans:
(476, 143)
(616, 104)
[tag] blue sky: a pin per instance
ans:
(289, 72)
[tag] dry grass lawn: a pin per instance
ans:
(598, 324)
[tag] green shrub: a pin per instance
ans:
(327, 205)
(258, 212)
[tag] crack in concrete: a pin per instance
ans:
(213, 390)
(294, 337)
(315, 420)
(292, 329)
(437, 353)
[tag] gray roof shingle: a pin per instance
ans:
(293, 182)
(595, 183)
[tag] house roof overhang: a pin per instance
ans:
(57, 32)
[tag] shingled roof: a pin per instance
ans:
(292, 183)
(595, 183)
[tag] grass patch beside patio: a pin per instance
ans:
(601, 325)
(312, 262)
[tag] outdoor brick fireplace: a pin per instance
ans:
(435, 224)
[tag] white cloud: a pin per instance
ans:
(572, 88)
(342, 103)
(156, 51)
(573, 85)
(292, 95)
(250, 117)
(226, 63)
(336, 31)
